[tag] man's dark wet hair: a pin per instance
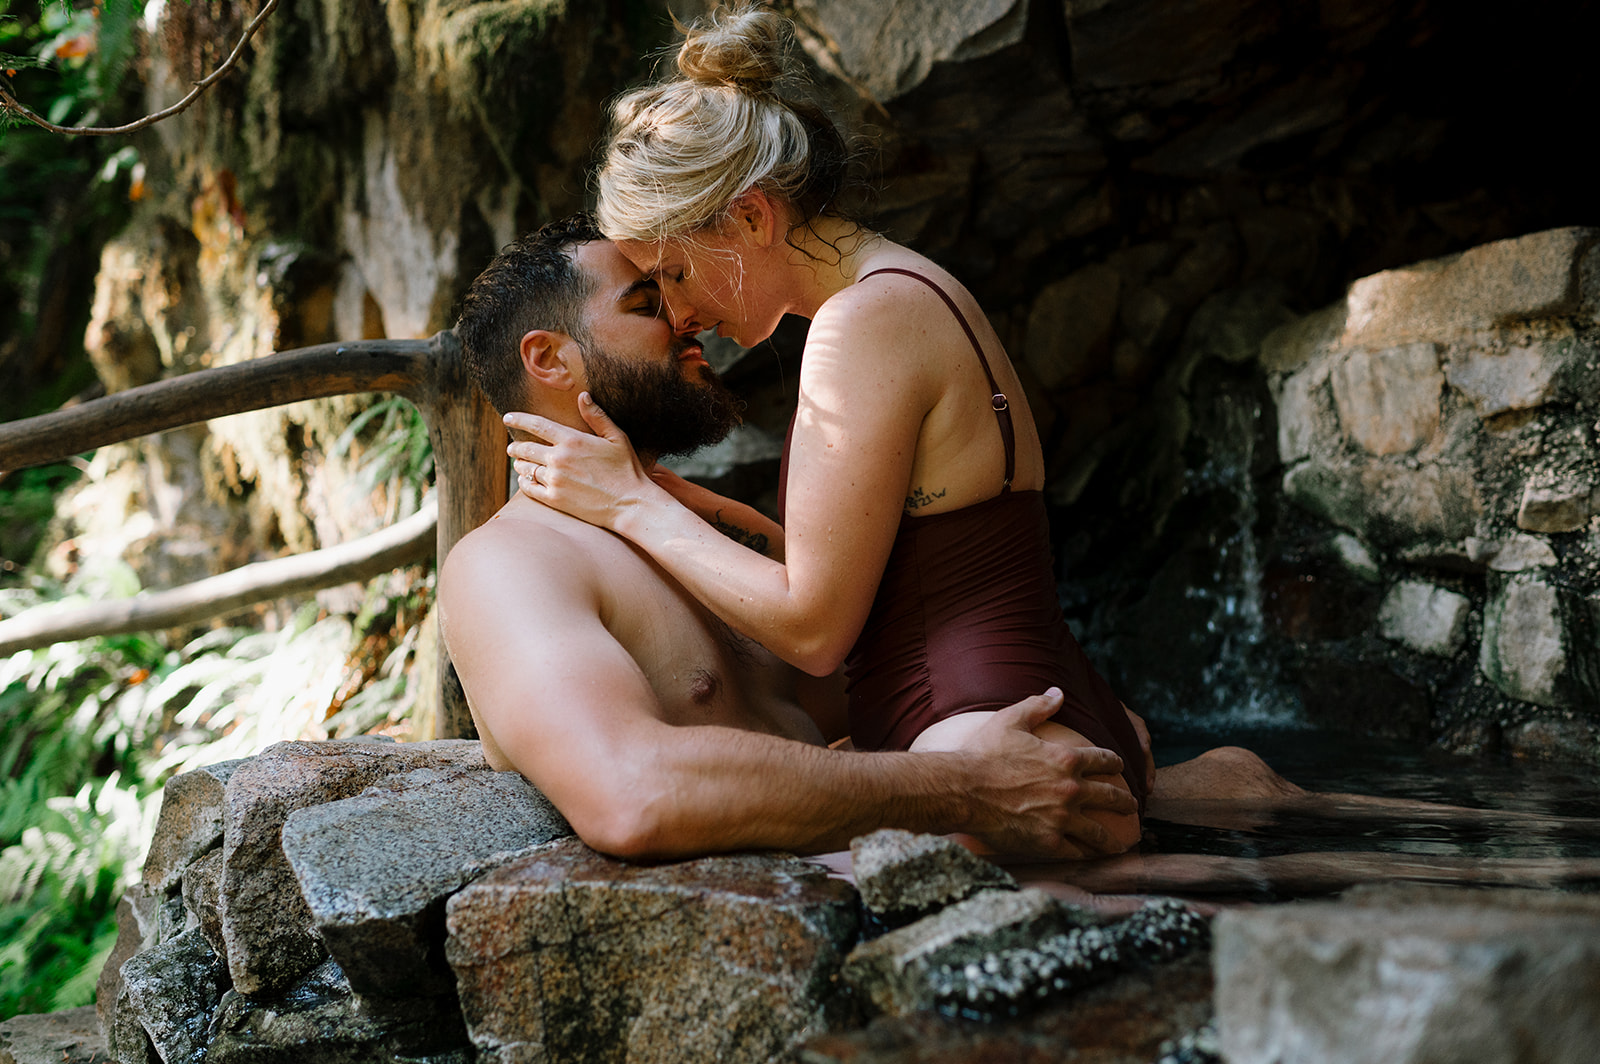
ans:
(532, 284)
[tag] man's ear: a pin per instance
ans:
(755, 218)
(547, 358)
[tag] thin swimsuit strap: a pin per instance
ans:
(1002, 408)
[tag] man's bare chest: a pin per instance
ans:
(702, 672)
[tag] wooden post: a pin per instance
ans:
(470, 480)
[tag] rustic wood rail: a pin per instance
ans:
(468, 451)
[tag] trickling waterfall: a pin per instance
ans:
(1240, 685)
(1191, 645)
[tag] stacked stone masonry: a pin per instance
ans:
(1445, 415)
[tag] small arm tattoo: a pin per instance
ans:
(756, 541)
(919, 498)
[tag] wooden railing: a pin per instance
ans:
(469, 467)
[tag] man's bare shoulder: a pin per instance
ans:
(530, 540)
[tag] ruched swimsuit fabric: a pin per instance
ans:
(966, 618)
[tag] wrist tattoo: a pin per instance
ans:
(919, 498)
(756, 541)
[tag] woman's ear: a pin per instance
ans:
(547, 358)
(755, 218)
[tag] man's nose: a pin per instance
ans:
(684, 315)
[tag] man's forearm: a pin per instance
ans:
(711, 789)
(679, 791)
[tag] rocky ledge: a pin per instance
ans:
(361, 901)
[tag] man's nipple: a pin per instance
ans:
(703, 686)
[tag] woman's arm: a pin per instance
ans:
(865, 386)
(739, 521)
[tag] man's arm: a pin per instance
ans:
(572, 711)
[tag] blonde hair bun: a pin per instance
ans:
(746, 47)
(733, 119)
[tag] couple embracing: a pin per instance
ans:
(670, 667)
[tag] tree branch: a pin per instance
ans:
(403, 543)
(11, 106)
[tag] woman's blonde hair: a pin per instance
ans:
(680, 151)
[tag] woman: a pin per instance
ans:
(916, 548)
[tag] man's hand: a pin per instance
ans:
(1032, 796)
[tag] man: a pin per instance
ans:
(654, 728)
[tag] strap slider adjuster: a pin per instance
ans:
(998, 399)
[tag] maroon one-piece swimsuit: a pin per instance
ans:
(966, 618)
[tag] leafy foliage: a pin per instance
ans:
(61, 195)
(89, 731)
(398, 456)
(27, 503)
(72, 831)
(58, 888)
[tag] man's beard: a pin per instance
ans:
(662, 411)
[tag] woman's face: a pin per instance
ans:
(710, 281)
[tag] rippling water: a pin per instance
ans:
(1324, 762)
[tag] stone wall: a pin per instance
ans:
(1439, 423)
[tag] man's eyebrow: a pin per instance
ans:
(641, 285)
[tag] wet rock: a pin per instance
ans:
(1391, 505)
(1507, 281)
(1232, 325)
(1493, 977)
(1557, 507)
(173, 990)
(68, 1037)
(891, 48)
(1512, 554)
(569, 955)
(1124, 1021)
(1290, 347)
(126, 1040)
(1070, 326)
(190, 823)
(1199, 1046)
(376, 869)
(1428, 619)
(1537, 645)
(202, 897)
(109, 987)
(1011, 981)
(1553, 739)
(1388, 401)
(146, 917)
(901, 874)
(320, 1021)
(1355, 556)
(158, 914)
(894, 971)
(1148, 316)
(266, 925)
(1306, 414)
(1518, 377)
